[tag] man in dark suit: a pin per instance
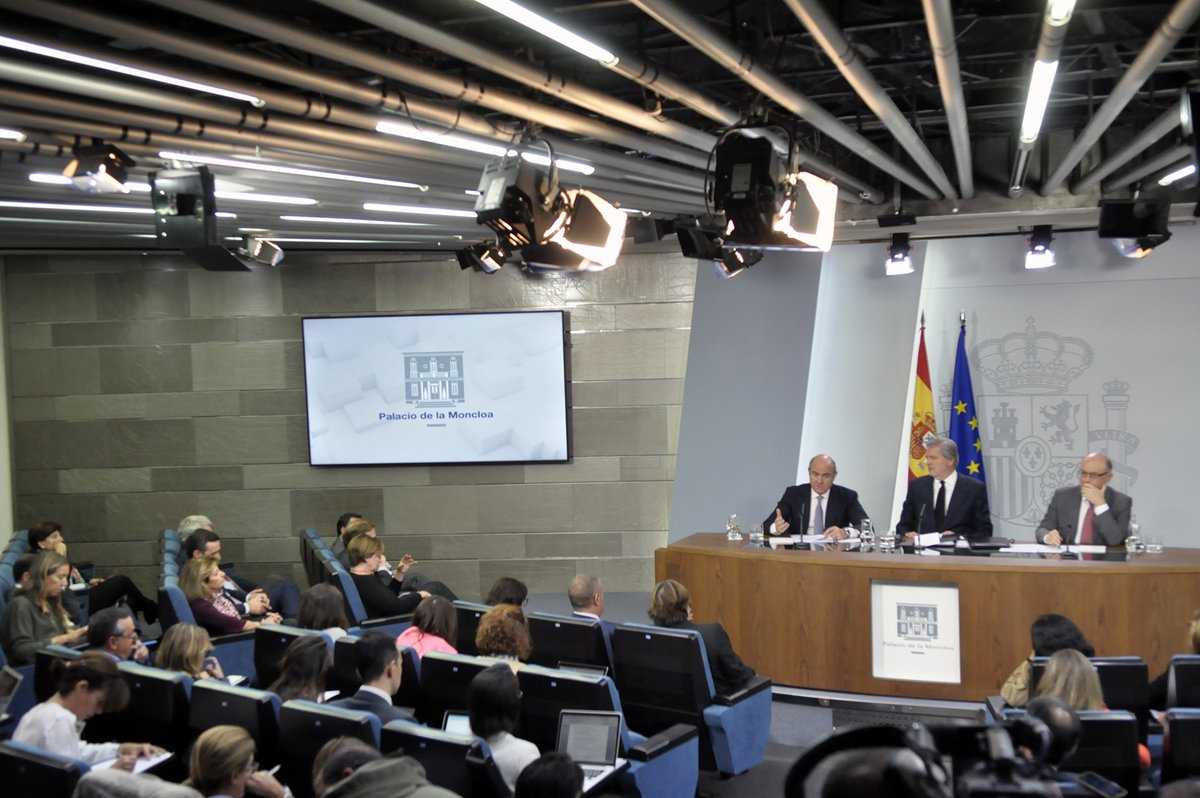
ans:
(586, 594)
(818, 506)
(1090, 512)
(945, 501)
(380, 667)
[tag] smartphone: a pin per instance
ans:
(1097, 784)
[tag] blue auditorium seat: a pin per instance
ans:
(568, 638)
(1183, 681)
(460, 764)
(444, 680)
(257, 711)
(44, 684)
(31, 771)
(1108, 745)
(270, 644)
(1181, 758)
(306, 726)
(346, 679)
(664, 679)
(468, 613)
(1124, 681)
(336, 575)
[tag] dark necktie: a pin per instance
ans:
(939, 508)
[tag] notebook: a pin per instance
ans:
(592, 739)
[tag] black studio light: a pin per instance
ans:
(99, 168)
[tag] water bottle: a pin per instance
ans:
(733, 531)
(867, 534)
(1133, 543)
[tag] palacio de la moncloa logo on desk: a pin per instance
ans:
(1036, 430)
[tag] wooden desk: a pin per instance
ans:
(804, 617)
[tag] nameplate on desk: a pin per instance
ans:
(1042, 548)
(915, 632)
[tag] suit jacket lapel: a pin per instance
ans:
(831, 510)
(961, 488)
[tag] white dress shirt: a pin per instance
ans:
(1099, 510)
(951, 481)
(366, 688)
(52, 727)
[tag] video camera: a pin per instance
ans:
(1010, 759)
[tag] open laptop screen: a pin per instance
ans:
(457, 723)
(591, 738)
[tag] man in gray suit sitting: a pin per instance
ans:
(1091, 512)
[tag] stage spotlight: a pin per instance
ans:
(261, 250)
(99, 169)
(482, 257)
(695, 242)
(1137, 225)
(735, 261)
(1041, 253)
(898, 260)
(769, 203)
(554, 229)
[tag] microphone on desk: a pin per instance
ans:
(920, 519)
(804, 519)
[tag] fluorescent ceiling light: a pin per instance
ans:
(124, 69)
(1040, 83)
(50, 178)
(1059, 11)
(417, 209)
(1178, 174)
(72, 206)
(8, 134)
(277, 239)
(258, 166)
(222, 185)
(635, 212)
(410, 131)
(226, 215)
(473, 192)
(254, 196)
(550, 30)
(340, 220)
(253, 229)
(79, 222)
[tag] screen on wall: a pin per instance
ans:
(451, 388)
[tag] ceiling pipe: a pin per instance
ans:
(116, 91)
(1049, 48)
(1180, 18)
(147, 142)
(939, 18)
(701, 36)
(1150, 166)
(470, 92)
(831, 39)
(1164, 124)
(479, 54)
(320, 108)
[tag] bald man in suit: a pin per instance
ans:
(1090, 512)
(818, 506)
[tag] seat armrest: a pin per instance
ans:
(374, 623)
(662, 742)
(755, 685)
(233, 638)
(996, 705)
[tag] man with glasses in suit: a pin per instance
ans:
(1090, 512)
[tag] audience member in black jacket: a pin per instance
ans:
(671, 606)
(365, 555)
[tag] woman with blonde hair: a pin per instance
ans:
(202, 582)
(1070, 676)
(187, 648)
(671, 607)
(223, 764)
(36, 617)
(366, 556)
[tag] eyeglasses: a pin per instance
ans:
(1093, 474)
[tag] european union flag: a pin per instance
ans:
(964, 423)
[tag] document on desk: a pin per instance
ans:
(143, 763)
(1042, 548)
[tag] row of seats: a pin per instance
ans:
(661, 674)
(169, 709)
(23, 699)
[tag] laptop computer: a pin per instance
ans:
(10, 680)
(592, 739)
(457, 723)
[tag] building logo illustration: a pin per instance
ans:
(433, 379)
(917, 622)
(1035, 430)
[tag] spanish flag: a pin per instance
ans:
(924, 423)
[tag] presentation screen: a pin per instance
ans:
(451, 388)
